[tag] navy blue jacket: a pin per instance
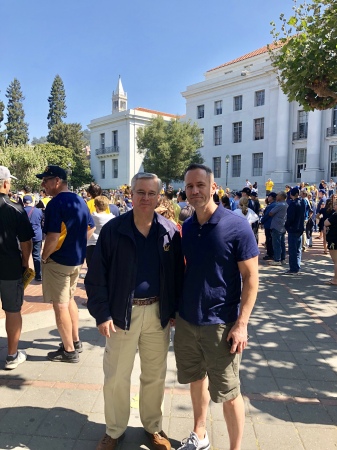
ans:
(295, 216)
(111, 277)
(266, 218)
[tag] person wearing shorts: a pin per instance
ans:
(219, 293)
(68, 224)
(14, 227)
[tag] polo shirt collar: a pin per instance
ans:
(215, 218)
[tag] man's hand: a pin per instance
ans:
(104, 328)
(238, 337)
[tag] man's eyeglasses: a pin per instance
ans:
(143, 194)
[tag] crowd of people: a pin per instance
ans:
(155, 262)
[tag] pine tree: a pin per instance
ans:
(16, 127)
(57, 103)
(2, 134)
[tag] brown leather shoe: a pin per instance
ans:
(108, 443)
(159, 441)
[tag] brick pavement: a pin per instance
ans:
(288, 375)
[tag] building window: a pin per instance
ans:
(237, 104)
(259, 129)
(302, 124)
(218, 107)
(202, 133)
(237, 132)
(333, 161)
(102, 170)
(257, 164)
(115, 168)
(115, 139)
(301, 162)
(218, 135)
(217, 167)
(334, 117)
(115, 104)
(102, 140)
(259, 98)
(200, 111)
(236, 165)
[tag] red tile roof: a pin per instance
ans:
(260, 51)
(151, 111)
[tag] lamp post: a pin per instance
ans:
(227, 162)
(69, 172)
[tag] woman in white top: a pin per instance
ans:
(244, 211)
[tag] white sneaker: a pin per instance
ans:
(12, 363)
(194, 443)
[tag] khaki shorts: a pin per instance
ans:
(204, 351)
(59, 282)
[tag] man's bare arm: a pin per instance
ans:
(50, 244)
(26, 249)
(250, 283)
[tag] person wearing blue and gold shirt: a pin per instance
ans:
(68, 224)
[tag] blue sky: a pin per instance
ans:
(158, 47)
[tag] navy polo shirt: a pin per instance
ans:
(212, 285)
(148, 262)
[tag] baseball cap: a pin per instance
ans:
(53, 171)
(272, 194)
(246, 190)
(27, 199)
(253, 194)
(5, 173)
(294, 191)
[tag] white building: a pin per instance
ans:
(248, 122)
(114, 156)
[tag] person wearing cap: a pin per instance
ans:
(68, 224)
(295, 227)
(14, 227)
(247, 192)
(35, 216)
(266, 222)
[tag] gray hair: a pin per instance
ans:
(147, 176)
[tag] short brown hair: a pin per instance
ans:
(101, 203)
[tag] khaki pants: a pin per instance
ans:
(152, 341)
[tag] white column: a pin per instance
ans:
(312, 173)
(280, 174)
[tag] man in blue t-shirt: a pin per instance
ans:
(68, 224)
(211, 330)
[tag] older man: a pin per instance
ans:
(133, 283)
(14, 227)
(68, 224)
(211, 330)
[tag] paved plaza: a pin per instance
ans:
(288, 374)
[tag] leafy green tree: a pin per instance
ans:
(24, 162)
(304, 53)
(57, 103)
(70, 135)
(16, 127)
(169, 147)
